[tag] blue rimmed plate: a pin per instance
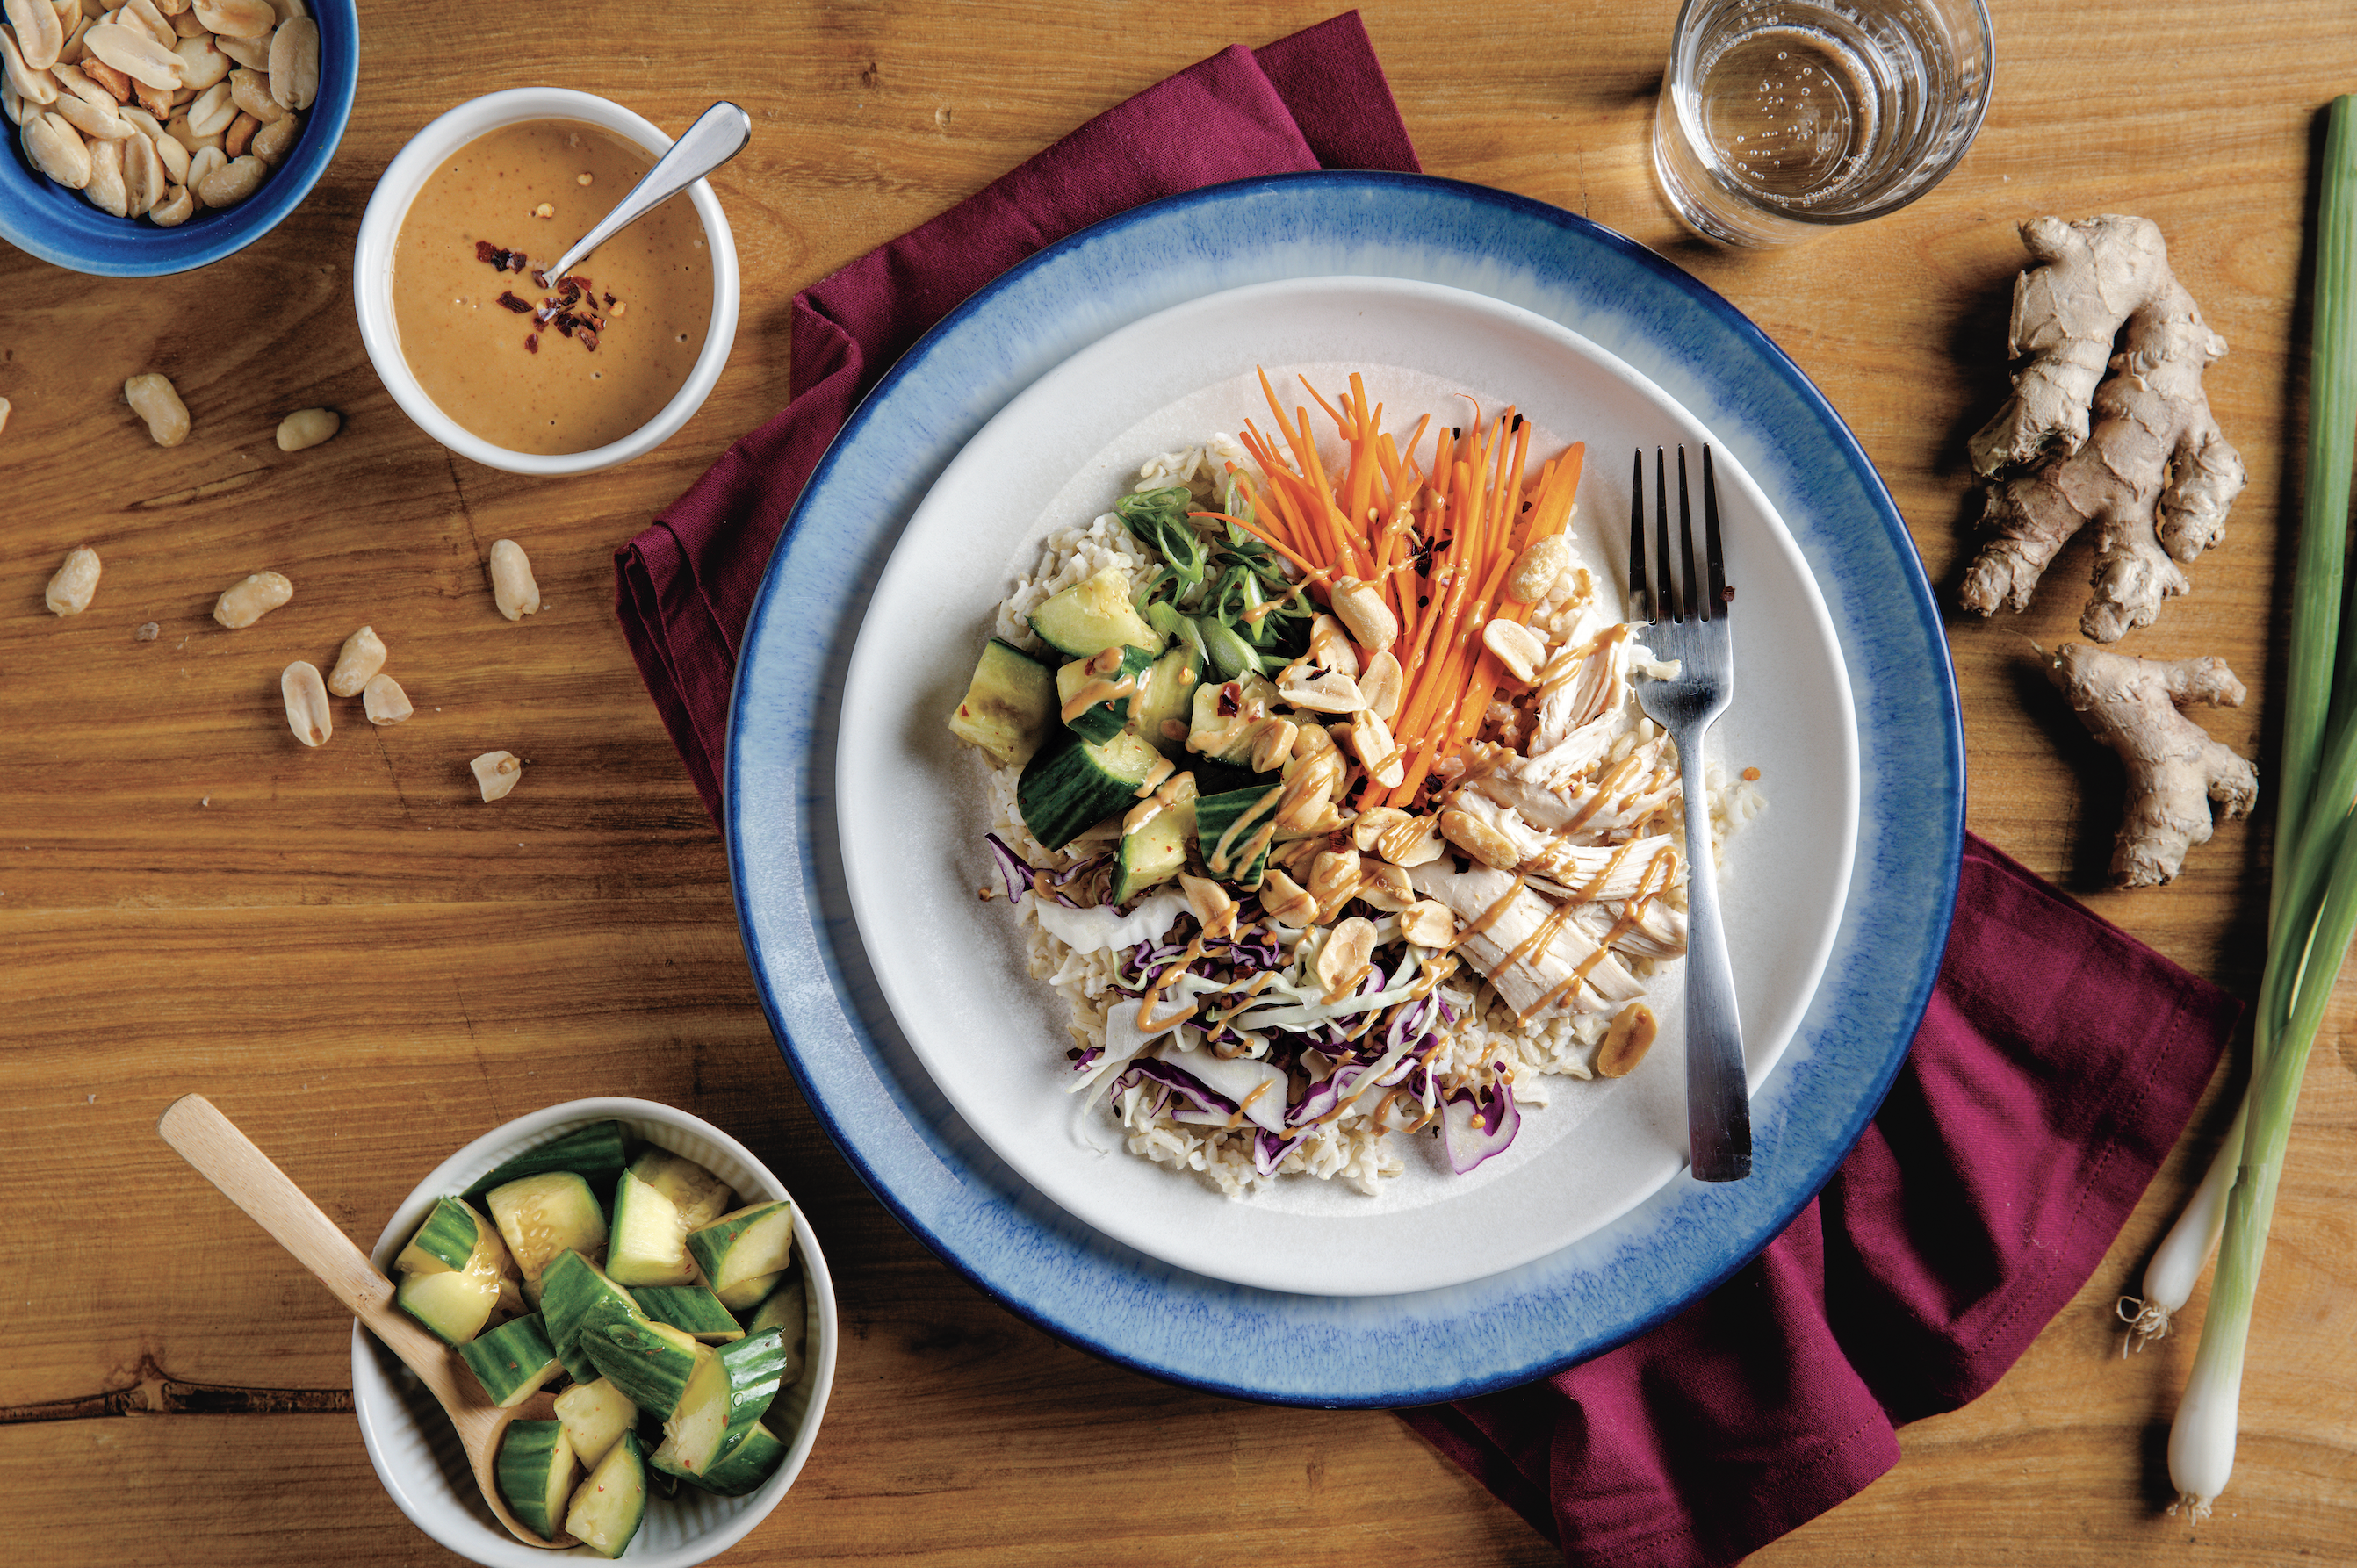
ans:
(875, 1095)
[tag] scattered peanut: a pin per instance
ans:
(1206, 899)
(1537, 569)
(76, 581)
(1518, 648)
(1282, 899)
(154, 398)
(512, 584)
(1363, 609)
(1384, 886)
(1327, 691)
(496, 773)
(384, 702)
(1370, 739)
(244, 602)
(306, 696)
(1626, 1041)
(1480, 840)
(1380, 685)
(1343, 960)
(307, 428)
(148, 631)
(357, 663)
(1428, 923)
(6, 406)
(1334, 878)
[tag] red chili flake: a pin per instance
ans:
(532, 342)
(485, 251)
(515, 261)
(587, 286)
(589, 339)
(1231, 700)
(567, 321)
(508, 298)
(609, 301)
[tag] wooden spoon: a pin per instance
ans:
(228, 1158)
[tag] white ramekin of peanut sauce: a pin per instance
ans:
(496, 361)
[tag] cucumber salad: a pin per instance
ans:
(670, 1316)
(1320, 791)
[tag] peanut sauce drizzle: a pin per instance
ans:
(1218, 860)
(1632, 914)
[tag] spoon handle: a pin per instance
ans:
(719, 133)
(229, 1159)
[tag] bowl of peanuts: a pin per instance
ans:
(157, 136)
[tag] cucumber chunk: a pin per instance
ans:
(595, 1414)
(513, 1361)
(1114, 674)
(1009, 707)
(649, 1362)
(744, 1467)
(1167, 696)
(454, 1304)
(649, 1244)
(577, 1297)
(1073, 783)
(1224, 719)
(700, 1196)
(543, 1215)
(1092, 615)
(1153, 852)
(447, 1240)
(694, 1310)
(535, 1471)
(608, 1508)
(595, 1152)
(731, 1390)
(786, 1309)
(1234, 830)
(738, 1249)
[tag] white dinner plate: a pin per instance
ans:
(912, 806)
(928, 1164)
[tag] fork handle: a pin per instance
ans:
(1719, 1096)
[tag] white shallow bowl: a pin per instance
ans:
(381, 227)
(413, 1445)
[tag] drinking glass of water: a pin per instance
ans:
(1781, 118)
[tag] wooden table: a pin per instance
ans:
(365, 967)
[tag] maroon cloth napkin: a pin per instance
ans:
(2055, 1069)
(685, 588)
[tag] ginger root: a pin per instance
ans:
(2174, 769)
(2153, 473)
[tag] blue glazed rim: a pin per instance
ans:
(941, 1180)
(45, 219)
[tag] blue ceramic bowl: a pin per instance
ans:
(44, 218)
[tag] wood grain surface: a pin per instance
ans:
(364, 967)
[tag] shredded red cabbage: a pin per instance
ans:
(1476, 1125)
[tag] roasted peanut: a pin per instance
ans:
(275, 140)
(39, 35)
(75, 582)
(118, 85)
(237, 18)
(1371, 738)
(129, 49)
(496, 773)
(239, 134)
(306, 696)
(4, 407)
(1343, 960)
(1330, 646)
(232, 182)
(251, 53)
(1380, 685)
(244, 602)
(1363, 609)
(144, 180)
(1480, 840)
(384, 702)
(295, 62)
(250, 90)
(57, 149)
(153, 398)
(356, 662)
(1626, 1041)
(1521, 650)
(1537, 569)
(1282, 899)
(1325, 692)
(142, 14)
(106, 189)
(307, 428)
(33, 83)
(211, 110)
(78, 84)
(203, 163)
(177, 207)
(513, 587)
(1334, 879)
(1428, 923)
(1208, 900)
(1384, 885)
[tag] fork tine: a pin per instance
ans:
(1690, 596)
(1640, 605)
(1665, 587)
(1721, 602)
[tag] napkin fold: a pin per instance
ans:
(685, 588)
(2057, 1064)
(2055, 1069)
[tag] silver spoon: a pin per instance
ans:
(719, 133)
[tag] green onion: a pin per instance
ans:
(2312, 901)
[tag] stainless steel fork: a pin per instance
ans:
(1693, 628)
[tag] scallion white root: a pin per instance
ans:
(2184, 1252)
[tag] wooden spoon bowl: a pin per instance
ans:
(229, 1159)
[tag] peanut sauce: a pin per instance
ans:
(1218, 861)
